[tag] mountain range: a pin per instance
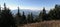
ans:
(27, 11)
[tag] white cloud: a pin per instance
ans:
(13, 7)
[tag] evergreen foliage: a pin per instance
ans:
(7, 19)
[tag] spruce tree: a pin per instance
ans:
(42, 15)
(54, 14)
(18, 17)
(0, 11)
(28, 18)
(24, 18)
(0, 14)
(32, 18)
(7, 18)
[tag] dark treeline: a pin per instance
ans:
(7, 19)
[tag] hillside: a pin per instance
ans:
(44, 24)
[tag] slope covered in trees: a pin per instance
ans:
(7, 19)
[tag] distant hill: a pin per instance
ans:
(27, 11)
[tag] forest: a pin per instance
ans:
(7, 19)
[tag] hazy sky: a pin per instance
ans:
(30, 4)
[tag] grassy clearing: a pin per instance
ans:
(52, 23)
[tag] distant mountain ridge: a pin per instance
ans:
(27, 11)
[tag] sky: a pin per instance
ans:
(30, 4)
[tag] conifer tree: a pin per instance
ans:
(0, 14)
(24, 18)
(7, 19)
(28, 18)
(0, 11)
(18, 17)
(32, 18)
(54, 14)
(42, 15)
